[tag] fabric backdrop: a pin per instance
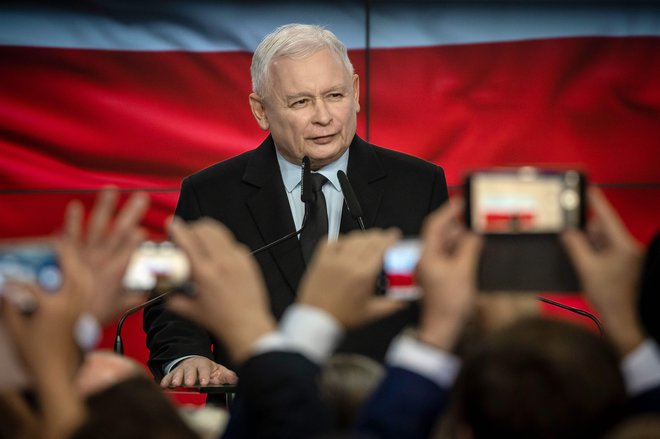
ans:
(140, 94)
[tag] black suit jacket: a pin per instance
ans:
(278, 396)
(247, 194)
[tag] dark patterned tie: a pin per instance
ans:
(317, 224)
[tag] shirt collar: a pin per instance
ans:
(291, 173)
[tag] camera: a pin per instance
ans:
(158, 267)
(153, 267)
(520, 212)
(31, 261)
(399, 265)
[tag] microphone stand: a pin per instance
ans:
(574, 310)
(352, 203)
(119, 346)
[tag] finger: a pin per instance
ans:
(177, 376)
(379, 307)
(469, 247)
(215, 238)
(128, 301)
(229, 376)
(102, 212)
(612, 224)
(433, 230)
(73, 220)
(373, 252)
(183, 236)
(190, 375)
(121, 258)
(181, 305)
(166, 381)
(578, 248)
(204, 372)
(75, 282)
(128, 219)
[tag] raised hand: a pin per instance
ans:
(107, 242)
(446, 272)
(342, 276)
(608, 260)
(230, 299)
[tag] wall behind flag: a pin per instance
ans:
(139, 94)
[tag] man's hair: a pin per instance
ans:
(296, 41)
(539, 378)
(346, 382)
(132, 408)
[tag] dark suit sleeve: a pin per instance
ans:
(647, 402)
(170, 336)
(439, 193)
(405, 405)
(278, 396)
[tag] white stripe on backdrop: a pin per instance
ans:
(239, 26)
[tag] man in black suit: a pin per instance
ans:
(307, 95)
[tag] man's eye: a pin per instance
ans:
(300, 102)
(336, 95)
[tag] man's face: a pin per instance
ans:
(311, 107)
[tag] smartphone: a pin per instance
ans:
(524, 200)
(159, 267)
(399, 264)
(520, 212)
(32, 261)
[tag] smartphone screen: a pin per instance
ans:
(157, 266)
(524, 200)
(32, 262)
(399, 264)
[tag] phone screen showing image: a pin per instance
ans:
(525, 201)
(399, 265)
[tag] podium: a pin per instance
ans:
(229, 390)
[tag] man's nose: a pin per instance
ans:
(322, 114)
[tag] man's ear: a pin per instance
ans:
(356, 92)
(258, 111)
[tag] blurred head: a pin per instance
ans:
(305, 92)
(538, 378)
(346, 382)
(133, 407)
(102, 369)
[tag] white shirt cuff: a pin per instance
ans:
(169, 366)
(311, 331)
(641, 368)
(87, 332)
(409, 353)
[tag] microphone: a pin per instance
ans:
(119, 346)
(352, 203)
(306, 196)
(574, 310)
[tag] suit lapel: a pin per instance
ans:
(364, 172)
(270, 210)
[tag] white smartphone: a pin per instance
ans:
(399, 266)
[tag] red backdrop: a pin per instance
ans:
(139, 100)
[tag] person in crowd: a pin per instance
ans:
(608, 260)
(306, 94)
(79, 393)
(347, 380)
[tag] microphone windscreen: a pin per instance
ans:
(352, 202)
(306, 194)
